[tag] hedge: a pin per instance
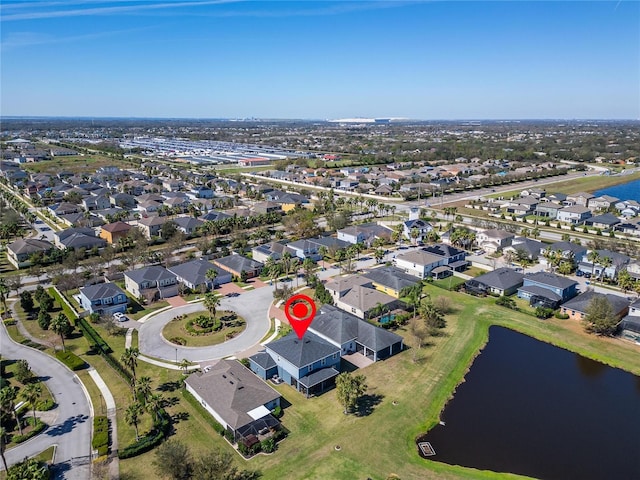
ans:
(94, 338)
(71, 360)
(206, 415)
(45, 405)
(65, 308)
(160, 431)
(100, 440)
(39, 426)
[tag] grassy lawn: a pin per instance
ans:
(449, 283)
(140, 311)
(583, 184)
(177, 328)
(475, 271)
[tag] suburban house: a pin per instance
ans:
(548, 210)
(390, 280)
(365, 233)
(363, 301)
(575, 214)
(237, 399)
(577, 307)
(606, 221)
(502, 281)
(74, 238)
(570, 251)
(493, 239)
(630, 325)
(20, 251)
(236, 264)
(103, 298)
(603, 202)
(99, 202)
(310, 247)
(273, 250)
(454, 258)
(151, 226)
(547, 289)
(418, 263)
(580, 198)
(531, 248)
(600, 269)
(309, 364)
(193, 275)
(417, 225)
(151, 283)
(352, 334)
(340, 286)
(112, 232)
(214, 216)
(188, 225)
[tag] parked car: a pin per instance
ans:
(120, 317)
(579, 273)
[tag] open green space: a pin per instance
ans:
(230, 325)
(584, 184)
(76, 164)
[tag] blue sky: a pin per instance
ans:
(321, 59)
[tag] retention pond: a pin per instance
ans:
(530, 408)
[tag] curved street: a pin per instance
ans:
(71, 430)
(252, 305)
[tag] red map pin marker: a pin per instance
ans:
(300, 311)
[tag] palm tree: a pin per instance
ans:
(130, 360)
(132, 416)
(286, 263)
(211, 302)
(154, 405)
(61, 326)
(3, 434)
(143, 389)
(31, 394)
(184, 365)
(606, 262)
(8, 397)
(4, 293)
(211, 275)
(594, 258)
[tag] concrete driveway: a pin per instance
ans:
(252, 305)
(71, 429)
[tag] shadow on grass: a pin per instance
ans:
(169, 386)
(367, 404)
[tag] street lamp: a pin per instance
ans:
(176, 355)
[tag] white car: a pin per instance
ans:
(119, 316)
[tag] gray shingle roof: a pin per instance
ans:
(501, 278)
(541, 292)
(263, 359)
(443, 250)
(551, 279)
(302, 352)
(29, 245)
(101, 290)
(232, 390)
(391, 277)
(150, 274)
(195, 271)
(581, 302)
(238, 263)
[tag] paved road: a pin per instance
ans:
(71, 431)
(252, 305)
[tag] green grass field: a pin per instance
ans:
(176, 328)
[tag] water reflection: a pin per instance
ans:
(588, 367)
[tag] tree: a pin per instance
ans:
(44, 319)
(419, 334)
(594, 258)
(29, 469)
(62, 327)
(218, 464)
(8, 397)
(600, 318)
(432, 317)
(31, 394)
(605, 262)
(3, 443)
(625, 281)
(153, 406)
(143, 389)
(211, 302)
(174, 460)
(379, 255)
(130, 359)
(132, 416)
(26, 301)
(184, 365)
(350, 388)
(23, 371)
(211, 275)
(4, 293)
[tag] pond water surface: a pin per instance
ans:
(530, 408)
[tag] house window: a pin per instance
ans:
(335, 356)
(323, 361)
(353, 310)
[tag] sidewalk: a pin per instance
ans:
(114, 465)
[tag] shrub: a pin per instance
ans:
(277, 412)
(37, 428)
(71, 360)
(507, 302)
(44, 319)
(543, 312)
(561, 316)
(268, 445)
(100, 439)
(178, 340)
(159, 432)
(45, 405)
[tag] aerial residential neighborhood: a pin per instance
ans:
(171, 280)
